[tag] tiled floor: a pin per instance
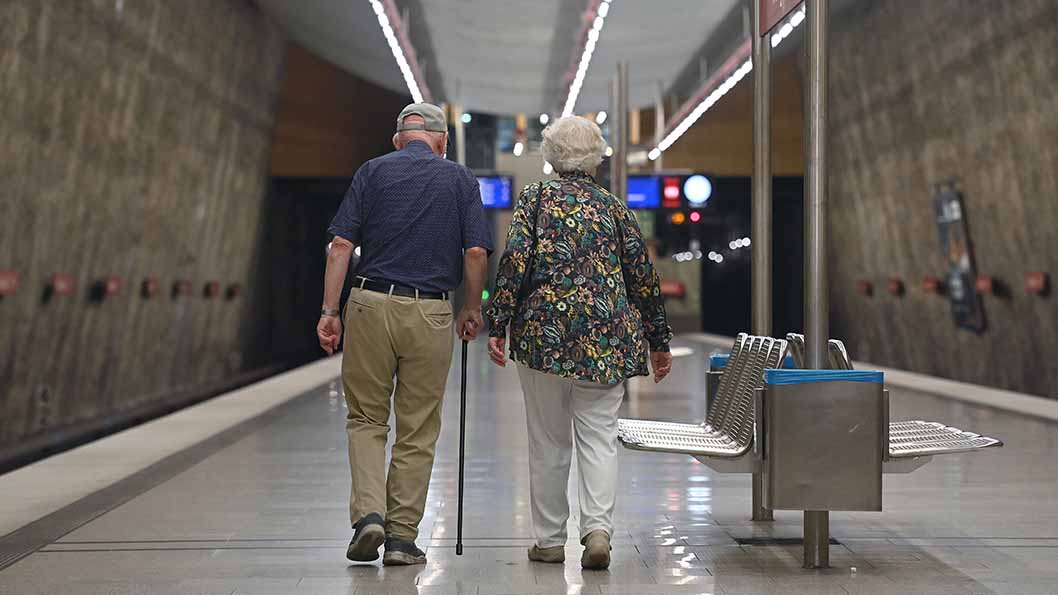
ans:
(268, 515)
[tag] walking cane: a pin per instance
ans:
(462, 444)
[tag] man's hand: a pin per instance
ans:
(329, 330)
(661, 363)
(498, 351)
(469, 323)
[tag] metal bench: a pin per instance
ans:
(726, 440)
(907, 439)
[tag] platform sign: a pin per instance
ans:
(772, 12)
(496, 191)
(966, 307)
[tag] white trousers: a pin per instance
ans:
(559, 410)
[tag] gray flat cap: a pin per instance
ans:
(433, 116)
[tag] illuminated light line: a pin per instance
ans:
(403, 52)
(597, 23)
(730, 73)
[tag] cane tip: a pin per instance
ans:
(459, 549)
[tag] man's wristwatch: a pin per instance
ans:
(329, 312)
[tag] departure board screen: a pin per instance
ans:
(644, 192)
(496, 191)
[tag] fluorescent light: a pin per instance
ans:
(519, 148)
(585, 58)
(601, 116)
(398, 52)
(729, 83)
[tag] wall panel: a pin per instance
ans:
(924, 91)
(134, 140)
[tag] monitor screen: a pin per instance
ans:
(496, 191)
(644, 192)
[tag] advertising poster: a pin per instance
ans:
(966, 307)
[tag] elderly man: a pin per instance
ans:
(421, 227)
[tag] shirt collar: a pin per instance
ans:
(577, 175)
(418, 146)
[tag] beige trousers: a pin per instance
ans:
(399, 347)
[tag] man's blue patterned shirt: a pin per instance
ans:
(413, 213)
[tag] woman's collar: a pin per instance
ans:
(577, 175)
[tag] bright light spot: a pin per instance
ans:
(681, 351)
(678, 218)
(746, 241)
(467, 118)
(355, 250)
(398, 52)
(544, 119)
(796, 19)
(719, 258)
(696, 217)
(519, 148)
(599, 20)
(697, 189)
(654, 154)
(609, 151)
(732, 244)
(600, 117)
(604, 9)
(548, 170)
(485, 294)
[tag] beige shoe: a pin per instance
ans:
(596, 551)
(551, 555)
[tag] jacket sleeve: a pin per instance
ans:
(514, 264)
(642, 283)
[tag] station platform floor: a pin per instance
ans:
(261, 508)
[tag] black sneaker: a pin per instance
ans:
(400, 552)
(369, 534)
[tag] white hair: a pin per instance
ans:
(573, 143)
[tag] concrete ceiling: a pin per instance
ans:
(509, 56)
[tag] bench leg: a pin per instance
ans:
(817, 539)
(760, 513)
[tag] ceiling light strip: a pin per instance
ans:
(733, 70)
(594, 19)
(396, 34)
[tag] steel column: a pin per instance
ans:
(761, 213)
(461, 134)
(619, 161)
(817, 307)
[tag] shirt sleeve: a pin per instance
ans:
(642, 283)
(346, 223)
(514, 264)
(476, 232)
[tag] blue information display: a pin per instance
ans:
(496, 191)
(644, 192)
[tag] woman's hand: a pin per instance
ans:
(498, 350)
(661, 363)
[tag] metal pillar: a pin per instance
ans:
(659, 125)
(817, 307)
(761, 213)
(619, 162)
(461, 134)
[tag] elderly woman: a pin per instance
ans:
(580, 295)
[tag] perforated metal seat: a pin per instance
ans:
(907, 439)
(728, 430)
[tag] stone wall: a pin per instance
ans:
(134, 141)
(925, 91)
